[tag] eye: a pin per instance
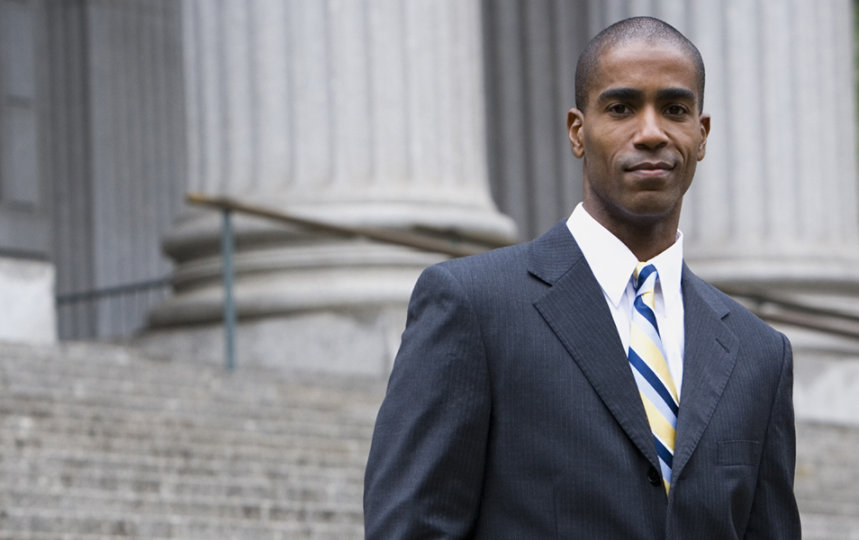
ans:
(619, 109)
(676, 110)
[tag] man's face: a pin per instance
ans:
(640, 135)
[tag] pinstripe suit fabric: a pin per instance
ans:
(511, 412)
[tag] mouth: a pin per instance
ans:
(650, 167)
(652, 170)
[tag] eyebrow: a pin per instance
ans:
(634, 94)
(622, 94)
(675, 94)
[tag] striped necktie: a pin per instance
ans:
(649, 366)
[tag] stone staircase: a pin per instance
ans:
(103, 442)
(827, 480)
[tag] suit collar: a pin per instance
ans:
(709, 359)
(574, 308)
(553, 254)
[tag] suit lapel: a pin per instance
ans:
(708, 360)
(575, 309)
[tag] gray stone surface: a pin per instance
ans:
(103, 442)
(367, 114)
(28, 286)
(826, 388)
(116, 158)
(24, 179)
(352, 340)
(530, 51)
(827, 480)
(773, 202)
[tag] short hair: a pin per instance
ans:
(648, 29)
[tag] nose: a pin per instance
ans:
(649, 134)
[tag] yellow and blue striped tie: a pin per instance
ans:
(649, 366)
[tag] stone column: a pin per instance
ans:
(357, 113)
(775, 203)
(116, 156)
(774, 207)
(26, 272)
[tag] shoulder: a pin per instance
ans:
(500, 280)
(545, 258)
(511, 257)
(738, 317)
(474, 277)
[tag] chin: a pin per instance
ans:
(651, 214)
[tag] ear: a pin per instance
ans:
(704, 120)
(575, 129)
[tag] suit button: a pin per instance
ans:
(653, 476)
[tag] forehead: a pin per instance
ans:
(645, 66)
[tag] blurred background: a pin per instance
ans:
(211, 367)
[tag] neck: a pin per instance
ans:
(645, 237)
(646, 244)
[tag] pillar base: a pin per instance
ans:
(827, 269)
(27, 287)
(785, 290)
(355, 341)
(307, 299)
(826, 387)
(326, 305)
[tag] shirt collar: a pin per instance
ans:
(613, 263)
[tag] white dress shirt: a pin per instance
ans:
(613, 265)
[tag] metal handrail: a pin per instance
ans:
(779, 310)
(227, 249)
(114, 290)
(228, 205)
(455, 247)
(132, 299)
(763, 299)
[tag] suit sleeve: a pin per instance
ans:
(425, 468)
(774, 512)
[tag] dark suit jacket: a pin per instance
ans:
(511, 412)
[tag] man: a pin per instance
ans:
(588, 384)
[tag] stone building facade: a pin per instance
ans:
(444, 117)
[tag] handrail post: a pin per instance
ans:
(229, 302)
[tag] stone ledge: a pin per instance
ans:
(151, 505)
(826, 389)
(110, 525)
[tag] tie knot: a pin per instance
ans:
(644, 278)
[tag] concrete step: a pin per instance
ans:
(307, 486)
(829, 527)
(26, 535)
(69, 461)
(207, 446)
(249, 388)
(25, 413)
(114, 366)
(19, 524)
(320, 485)
(827, 472)
(103, 442)
(156, 505)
